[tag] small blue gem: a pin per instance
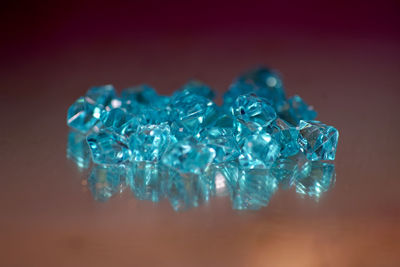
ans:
(78, 149)
(108, 147)
(235, 90)
(287, 137)
(318, 141)
(296, 109)
(115, 119)
(101, 95)
(83, 116)
(148, 180)
(150, 142)
(320, 179)
(142, 94)
(188, 156)
(198, 88)
(132, 125)
(106, 181)
(259, 151)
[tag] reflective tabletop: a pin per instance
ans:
(50, 218)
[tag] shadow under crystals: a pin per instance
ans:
(247, 188)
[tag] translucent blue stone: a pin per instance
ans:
(83, 116)
(148, 180)
(101, 95)
(287, 137)
(132, 125)
(236, 89)
(253, 112)
(137, 97)
(78, 149)
(259, 151)
(106, 181)
(198, 88)
(268, 82)
(185, 191)
(317, 140)
(115, 119)
(320, 179)
(287, 170)
(296, 109)
(251, 188)
(108, 147)
(150, 142)
(222, 141)
(188, 156)
(192, 112)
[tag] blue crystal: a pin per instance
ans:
(78, 149)
(287, 137)
(287, 170)
(251, 188)
(222, 141)
(198, 88)
(192, 112)
(150, 142)
(188, 156)
(115, 119)
(138, 97)
(148, 180)
(259, 151)
(132, 125)
(317, 140)
(101, 95)
(106, 181)
(296, 109)
(83, 116)
(320, 179)
(235, 90)
(108, 147)
(253, 112)
(185, 190)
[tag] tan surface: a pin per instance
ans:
(48, 218)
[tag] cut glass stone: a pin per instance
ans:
(192, 112)
(320, 179)
(115, 119)
(150, 142)
(78, 149)
(142, 94)
(296, 109)
(251, 188)
(236, 89)
(253, 112)
(148, 180)
(259, 151)
(83, 116)
(286, 135)
(188, 156)
(132, 125)
(106, 181)
(288, 170)
(198, 88)
(101, 95)
(185, 190)
(108, 147)
(222, 141)
(317, 140)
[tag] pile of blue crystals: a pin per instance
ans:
(187, 149)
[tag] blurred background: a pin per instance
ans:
(343, 57)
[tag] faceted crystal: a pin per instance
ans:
(198, 88)
(287, 137)
(115, 119)
(320, 179)
(259, 151)
(132, 125)
(222, 141)
(101, 95)
(287, 170)
(236, 89)
(142, 94)
(108, 147)
(318, 141)
(83, 116)
(253, 112)
(150, 142)
(192, 112)
(185, 190)
(106, 181)
(188, 156)
(296, 109)
(78, 149)
(148, 180)
(251, 188)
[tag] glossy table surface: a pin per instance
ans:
(48, 218)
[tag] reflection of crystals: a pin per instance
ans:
(106, 181)
(78, 149)
(318, 181)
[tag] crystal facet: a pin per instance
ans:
(287, 136)
(78, 149)
(101, 95)
(83, 116)
(317, 140)
(108, 147)
(198, 88)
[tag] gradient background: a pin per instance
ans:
(343, 57)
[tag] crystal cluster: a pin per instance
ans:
(186, 148)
